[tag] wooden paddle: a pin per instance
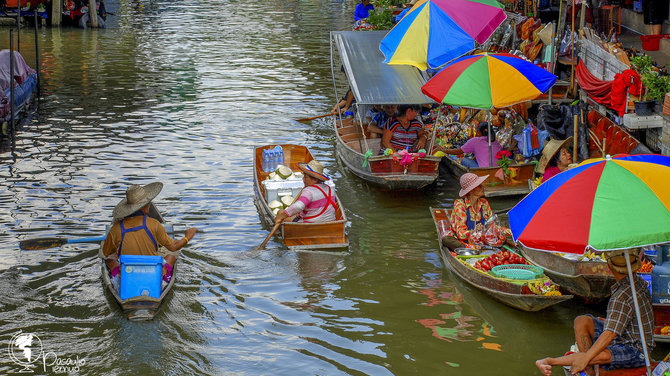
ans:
(272, 232)
(313, 117)
(44, 243)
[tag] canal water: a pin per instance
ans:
(180, 92)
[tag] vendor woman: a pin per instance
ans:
(479, 146)
(555, 158)
(469, 211)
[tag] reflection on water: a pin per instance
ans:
(181, 92)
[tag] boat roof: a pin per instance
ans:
(371, 80)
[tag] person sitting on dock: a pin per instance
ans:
(382, 120)
(317, 201)
(555, 158)
(615, 341)
(479, 146)
(404, 132)
(135, 233)
(472, 210)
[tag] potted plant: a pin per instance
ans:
(655, 85)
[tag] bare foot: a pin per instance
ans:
(544, 366)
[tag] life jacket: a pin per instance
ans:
(329, 201)
(144, 227)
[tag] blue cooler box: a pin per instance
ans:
(140, 276)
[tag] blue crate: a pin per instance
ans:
(140, 276)
(647, 278)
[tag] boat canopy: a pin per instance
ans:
(371, 80)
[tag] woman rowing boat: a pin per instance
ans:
(317, 201)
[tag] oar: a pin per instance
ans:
(274, 229)
(44, 243)
(313, 117)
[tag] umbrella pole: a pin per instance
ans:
(489, 117)
(432, 138)
(637, 314)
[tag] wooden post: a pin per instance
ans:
(92, 13)
(11, 81)
(18, 25)
(37, 56)
(56, 12)
(575, 134)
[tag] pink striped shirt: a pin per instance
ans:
(311, 203)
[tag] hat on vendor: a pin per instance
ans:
(550, 149)
(617, 260)
(470, 181)
(136, 197)
(313, 169)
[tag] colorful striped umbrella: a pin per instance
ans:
(488, 80)
(602, 204)
(435, 32)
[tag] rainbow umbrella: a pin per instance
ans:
(434, 32)
(603, 204)
(488, 80)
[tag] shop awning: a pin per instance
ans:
(371, 80)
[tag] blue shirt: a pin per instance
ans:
(362, 11)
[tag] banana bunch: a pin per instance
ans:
(591, 256)
(537, 182)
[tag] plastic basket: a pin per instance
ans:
(517, 271)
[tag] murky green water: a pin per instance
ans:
(180, 92)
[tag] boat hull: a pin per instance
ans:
(139, 308)
(504, 292)
(493, 186)
(299, 235)
(589, 280)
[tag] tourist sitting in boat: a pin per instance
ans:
(382, 120)
(555, 158)
(317, 201)
(479, 146)
(404, 132)
(344, 103)
(135, 233)
(469, 212)
(362, 10)
(614, 341)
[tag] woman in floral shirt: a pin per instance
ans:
(469, 211)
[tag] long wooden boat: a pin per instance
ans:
(494, 187)
(508, 293)
(23, 92)
(299, 235)
(590, 280)
(140, 307)
(381, 170)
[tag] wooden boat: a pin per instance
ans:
(587, 279)
(140, 307)
(22, 95)
(299, 235)
(508, 293)
(493, 186)
(381, 170)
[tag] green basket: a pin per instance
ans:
(517, 271)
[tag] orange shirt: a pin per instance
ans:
(136, 242)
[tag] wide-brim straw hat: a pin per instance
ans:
(136, 197)
(313, 169)
(617, 260)
(550, 149)
(470, 181)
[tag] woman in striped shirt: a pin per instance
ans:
(405, 132)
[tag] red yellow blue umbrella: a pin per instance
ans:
(488, 80)
(435, 32)
(603, 204)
